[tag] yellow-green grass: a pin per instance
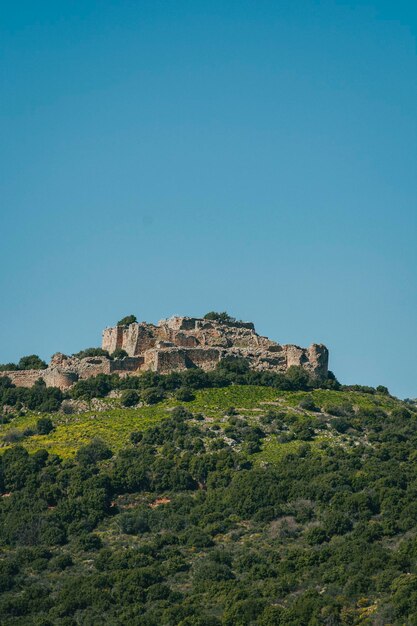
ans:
(72, 431)
(325, 397)
(114, 425)
(244, 398)
(273, 451)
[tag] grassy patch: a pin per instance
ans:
(323, 397)
(273, 451)
(114, 425)
(214, 402)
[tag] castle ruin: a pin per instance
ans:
(177, 344)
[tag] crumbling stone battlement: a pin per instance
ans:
(182, 342)
(176, 344)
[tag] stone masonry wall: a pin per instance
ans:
(24, 378)
(174, 344)
(181, 342)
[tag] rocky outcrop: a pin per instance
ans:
(176, 344)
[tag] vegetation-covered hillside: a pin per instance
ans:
(208, 501)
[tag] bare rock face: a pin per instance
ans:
(176, 344)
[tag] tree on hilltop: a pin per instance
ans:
(89, 352)
(31, 362)
(8, 367)
(219, 317)
(126, 321)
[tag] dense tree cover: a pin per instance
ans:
(185, 527)
(36, 398)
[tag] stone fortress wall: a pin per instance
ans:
(176, 344)
(183, 342)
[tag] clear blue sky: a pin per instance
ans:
(258, 157)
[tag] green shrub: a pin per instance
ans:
(61, 562)
(152, 395)
(298, 378)
(91, 352)
(340, 424)
(6, 383)
(129, 397)
(330, 382)
(219, 317)
(316, 535)
(234, 365)
(96, 387)
(135, 523)
(337, 523)
(303, 431)
(181, 413)
(359, 388)
(243, 612)
(11, 367)
(31, 362)
(308, 404)
(119, 353)
(184, 394)
(44, 426)
(209, 571)
(299, 535)
(89, 542)
(198, 539)
(126, 321)
(345, 409)
(136, 437)
(13, 436)
(401, 413)
(93, 452)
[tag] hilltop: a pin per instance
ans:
(175, 344)
(227, 497)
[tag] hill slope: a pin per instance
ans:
(244, 505)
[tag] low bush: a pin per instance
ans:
(44, 426)
(136, 437)
(308, 404)
(91, 352)
(119, 353)
(219, 317)
(126, 321)
(129, 397)
(184, 394)
(93, 452)
(152, 395)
